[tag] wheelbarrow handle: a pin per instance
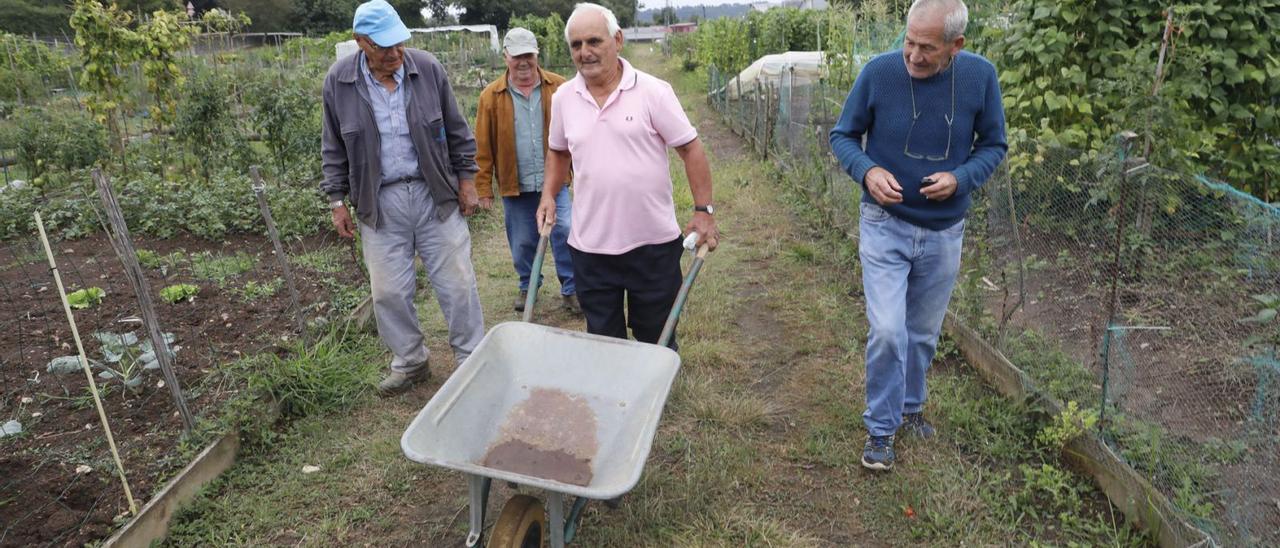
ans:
(535, 277)
(668, 329)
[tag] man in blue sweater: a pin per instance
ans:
(921, 130)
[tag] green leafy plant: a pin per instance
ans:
(1067, 425)
(180, 292)
(86, 298)
(287, 117)
(148, 258)
(220, 268)
(161, 39)
(57, 135)
(123, 358)
(252, 290)
(206, 122)
(106, 44)
(1074, 74)
(34, 68)
(1048, 485)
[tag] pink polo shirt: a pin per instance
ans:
(621, 177)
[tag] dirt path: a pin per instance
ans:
(758, 444)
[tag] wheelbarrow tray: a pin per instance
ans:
(625, 383)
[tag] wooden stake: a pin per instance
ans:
(84, 364)
(123, 245)
(258, 188)
(17, 87)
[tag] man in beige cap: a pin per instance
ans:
(512, 120)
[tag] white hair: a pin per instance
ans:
(956, 20)
(610, 19)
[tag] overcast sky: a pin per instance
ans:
(655, 4)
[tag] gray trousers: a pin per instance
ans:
(409, 227)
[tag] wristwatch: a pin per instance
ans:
(335, 204)
(708, 209)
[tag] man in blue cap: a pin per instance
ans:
(397, 147)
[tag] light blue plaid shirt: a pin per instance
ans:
(399, 158)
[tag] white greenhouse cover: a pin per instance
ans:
(343, 49)
(806, 67)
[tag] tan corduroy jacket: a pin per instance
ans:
(496, 134)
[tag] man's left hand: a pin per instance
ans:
(944, 186)
(468, 198)
(705, 225)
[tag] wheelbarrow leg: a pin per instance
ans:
(479, 488)
(555, 518)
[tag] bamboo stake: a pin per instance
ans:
(84, 364)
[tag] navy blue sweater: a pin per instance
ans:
(879, 106)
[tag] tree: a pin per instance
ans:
(439, 9)
(495, 12)
(666, 16)
(266, 15)
(27, 16)
(325, 16)
(410, 12)
(500, 12)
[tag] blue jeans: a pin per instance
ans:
(520, 214)
(907, 276)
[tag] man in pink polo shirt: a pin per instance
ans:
(613, 124)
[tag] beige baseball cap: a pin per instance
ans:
(520, 41)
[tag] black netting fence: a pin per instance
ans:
(1148, 297)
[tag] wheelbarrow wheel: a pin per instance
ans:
(521, 524)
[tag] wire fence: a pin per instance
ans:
(1147, 296)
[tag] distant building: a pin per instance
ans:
(645, 34)
(680, 28)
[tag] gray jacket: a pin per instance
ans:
(350, 143)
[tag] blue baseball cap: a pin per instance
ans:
(380, 22)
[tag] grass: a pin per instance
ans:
(760, 440)
(328, 260)
(252, 291)
(220, 268)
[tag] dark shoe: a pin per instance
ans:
(570, 303)
(915, 425)
(397, 382)
(520, 299)
(877, 454)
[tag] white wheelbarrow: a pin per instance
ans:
(568, 412)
